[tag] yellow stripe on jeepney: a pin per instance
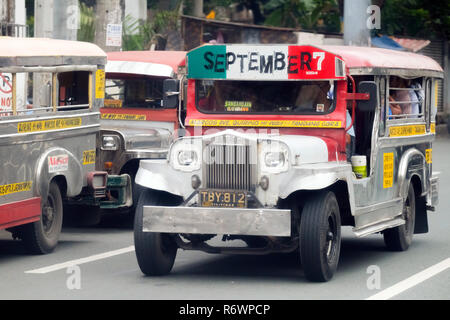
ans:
(100, 83)
(433, 127)
(407, 131)
(388, 170)
(429, 155)
(129, 117)
(15, 188)
(265, 123)
(48, 125)
(88, 157)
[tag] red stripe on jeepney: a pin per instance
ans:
(18, 213)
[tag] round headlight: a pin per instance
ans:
(274, 159)
(187, 158)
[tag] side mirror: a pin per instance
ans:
(371, 88)
(171, 88)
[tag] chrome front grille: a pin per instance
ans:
(230, 167)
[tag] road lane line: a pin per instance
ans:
(77, 262)
(411, 281)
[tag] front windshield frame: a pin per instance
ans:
(332, 107)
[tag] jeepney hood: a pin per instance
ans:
(139, 138)
(302, 149)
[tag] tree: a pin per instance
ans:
(416, 18)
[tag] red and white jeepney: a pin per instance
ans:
(272, 132)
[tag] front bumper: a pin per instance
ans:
(229, 221)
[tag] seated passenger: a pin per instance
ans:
(399, 98)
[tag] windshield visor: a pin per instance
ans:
(265, 97)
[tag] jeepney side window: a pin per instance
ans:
(7, 106)
(134, 92)
(382, 87)
(73, 90)
(265, 97)
(406, 99)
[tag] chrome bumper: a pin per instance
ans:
(196, 220)
(434, 196)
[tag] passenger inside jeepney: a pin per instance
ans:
(405, 98)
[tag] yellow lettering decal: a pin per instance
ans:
(433, 128)
(15, 188)
(88, 157)
(407, 131)
(266, 123)
(129, 117)
(47, 125)
(111, 103)
(388, 170)
(429, 155)
(100, 84)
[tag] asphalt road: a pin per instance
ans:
(107, 267)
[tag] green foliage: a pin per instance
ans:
(417, 18)
(87, 23)
(318, 15)
(139, 36)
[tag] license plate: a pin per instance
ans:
(225, 199)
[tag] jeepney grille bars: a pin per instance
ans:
(229, 167)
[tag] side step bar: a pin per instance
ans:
(365, 231)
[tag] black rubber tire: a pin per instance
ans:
(155, 252)
(320, 236)
(42, 237)
(400, 238)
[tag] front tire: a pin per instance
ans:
(155, 252)
(320, 236)
(400, 238)
(41, 237)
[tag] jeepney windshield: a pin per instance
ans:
(134, 92)
(265, 97)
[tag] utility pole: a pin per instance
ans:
(66, 19)
(109, 24)
(198, 9)
(356, 31)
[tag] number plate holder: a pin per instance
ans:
(223, 198)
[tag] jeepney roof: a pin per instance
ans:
(377, 61)
(151, 63)
(208, 62)
(26, 52)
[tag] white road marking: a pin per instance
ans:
(77, 262)
(411, 281)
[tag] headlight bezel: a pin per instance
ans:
(185, 146)
(110, 142)
(272, 148)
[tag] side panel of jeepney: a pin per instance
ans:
(33, 150)
(401, 149)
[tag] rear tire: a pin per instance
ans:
(400, 238)
(320, 236)
(42, 237)
(155, 252)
